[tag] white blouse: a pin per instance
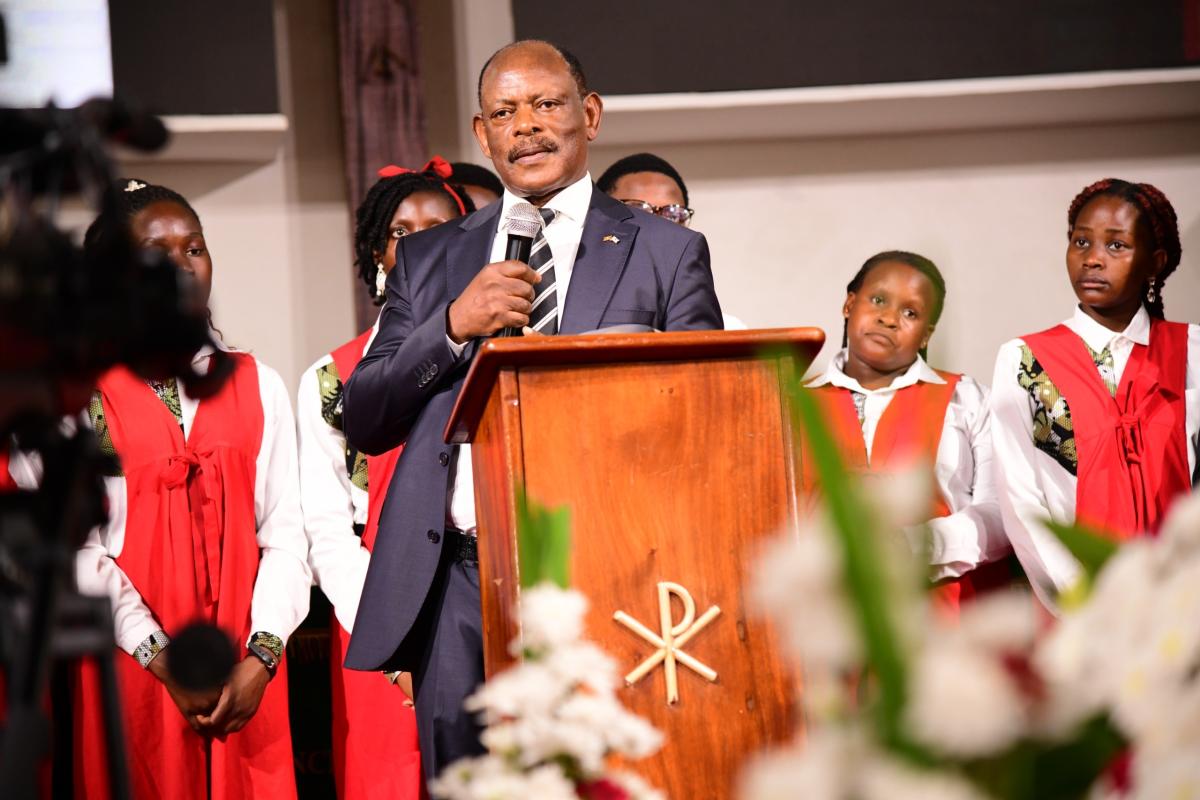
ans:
(1033, 486)
(332, 504)
(281, 588)
(972, 534)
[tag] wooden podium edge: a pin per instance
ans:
(600, 348)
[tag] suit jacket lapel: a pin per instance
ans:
(598, 264)
(468, 252)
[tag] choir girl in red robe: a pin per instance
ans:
(204, 524)
(1096, 418)
(889, 410)
(375, 751)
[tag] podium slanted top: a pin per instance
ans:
(608, 348)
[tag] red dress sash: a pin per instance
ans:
(191, 551)
(1132, 447)
(375, 750)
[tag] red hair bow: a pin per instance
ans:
(435, 166)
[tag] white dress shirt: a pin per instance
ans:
(972, 534)
(1033, 486)
(280, 600)
(562, 236)
(332, 505)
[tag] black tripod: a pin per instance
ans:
(44, 618)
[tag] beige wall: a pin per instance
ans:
(790, 222)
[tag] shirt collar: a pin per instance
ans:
(203, 353)
(572, 202)
(918, 372)
(1098, 337)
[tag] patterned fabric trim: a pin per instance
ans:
(1104, 365)
(168, 392)
(150, 647)
(104, 436)
(270, 641)
(860, 406)
(329, 384)
(1053, 432)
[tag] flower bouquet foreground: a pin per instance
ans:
(553, 721)
(901, 702)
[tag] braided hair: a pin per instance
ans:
(133, 196)
(918, 262)
(1155, 214)
(374, 217)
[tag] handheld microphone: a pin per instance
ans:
(523, 223)
(202, 657)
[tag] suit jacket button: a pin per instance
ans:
(433, 370)
(434, 536)
(443, 458)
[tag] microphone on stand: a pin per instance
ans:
(523, 223)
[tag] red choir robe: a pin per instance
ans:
(191, 551)
(375, 750)
(909, 431)
(1132, 447)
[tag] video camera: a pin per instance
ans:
(67, 315)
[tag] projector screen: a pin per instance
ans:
(57, 50)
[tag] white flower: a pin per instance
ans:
(1152, 675)
(489, 778)
(820, 770)
(1176, 778)
(963, 702)
(550, 617)
(528, 689)
(1068, 662)
(885, 778)
(1180, 532)
(624, 733)
(540, 739)
(902, 496)
(1001, 622)
(582, 664)
(798, 581)
(635, 787)
(1164, 760)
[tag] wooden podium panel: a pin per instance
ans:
(676, 463)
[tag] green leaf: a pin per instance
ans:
(1092, 548)
(1060, 771)
(544, 543)
(863, 561)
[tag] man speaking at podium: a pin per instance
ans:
(594, 263)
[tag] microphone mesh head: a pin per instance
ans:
(523, 220)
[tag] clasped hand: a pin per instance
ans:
(499, 296)
(220, 711)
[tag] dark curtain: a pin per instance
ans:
(383, 104)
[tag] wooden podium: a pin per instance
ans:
(674, 453)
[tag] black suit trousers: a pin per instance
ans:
(450, 667)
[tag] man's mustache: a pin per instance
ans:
(530, 147)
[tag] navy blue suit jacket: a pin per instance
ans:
(403, 390)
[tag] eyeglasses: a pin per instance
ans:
(675, 213)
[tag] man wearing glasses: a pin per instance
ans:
(645, 181)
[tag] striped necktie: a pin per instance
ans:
(543, 317)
